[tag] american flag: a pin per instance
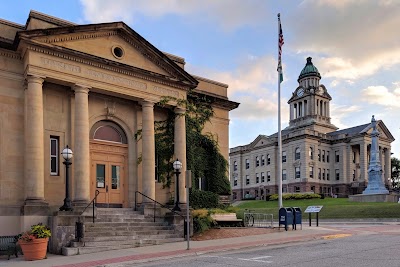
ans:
(280, 44)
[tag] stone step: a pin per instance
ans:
(122, 224)
(134, 242)
(128, 233)
(119, 211)
(128, 228)
(124, 216)
(127, 238)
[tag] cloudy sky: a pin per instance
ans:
(355, 44)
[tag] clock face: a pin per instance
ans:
(300, 92)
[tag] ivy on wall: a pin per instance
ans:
(203, 156)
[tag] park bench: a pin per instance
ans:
(228, 219)
(8, 245)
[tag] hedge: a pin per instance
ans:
(288, 196)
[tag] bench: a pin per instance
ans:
(8, 245)
(226, 219)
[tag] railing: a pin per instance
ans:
(97, 192)
(155, 203)
(260, 220)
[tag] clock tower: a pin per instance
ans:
(309, 104)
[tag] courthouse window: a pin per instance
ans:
(247, 164)
(262, 160)
(54, 155)
(297, 154)
(284, 156)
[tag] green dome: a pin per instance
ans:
(309, 70)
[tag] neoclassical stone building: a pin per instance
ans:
(91, 87)
(316, 156)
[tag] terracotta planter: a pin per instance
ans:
(35, 249)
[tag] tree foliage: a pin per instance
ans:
(395, 177)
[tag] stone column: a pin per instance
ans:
(81, 159)
(291, 111)
(180, 149)
(34, 147)
(364, 161)
(148, 151)
(388, 166)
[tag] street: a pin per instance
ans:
(363, 246)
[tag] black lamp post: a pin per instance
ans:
(67, 155)
(177, 167)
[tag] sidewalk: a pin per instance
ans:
(173, 250)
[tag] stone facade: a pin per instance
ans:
(316, 156)
(91, 87)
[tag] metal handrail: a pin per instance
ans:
(96, 193)
(156, 202)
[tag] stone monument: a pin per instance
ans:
(375, 183)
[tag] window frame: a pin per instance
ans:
(297, 173)
(247, 164)
(284, 175)
(284, 157)
(297, 153)
(56, 155)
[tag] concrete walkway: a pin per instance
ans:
(179, 249)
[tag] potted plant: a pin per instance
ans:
(34, 242)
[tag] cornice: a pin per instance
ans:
(91, 61)
(49, 19)
(74, 37)
(9, 54)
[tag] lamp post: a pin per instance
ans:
(177, 167)
(67, 155)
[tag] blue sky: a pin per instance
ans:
(354, 44)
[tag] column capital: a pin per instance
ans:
(34, 79)
(147, 103)
(79, 88)
(180, 110)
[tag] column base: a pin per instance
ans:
(79, 203)
(35, 207)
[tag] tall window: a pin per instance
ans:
(297, 169)
(319, 173)
(283, 156)
(235, 166)
(268, 159)
(257, 161)
(311, 172)
(262, 177)
(336, 156)
(354, 175)
(262, 160)
(247, 164)
(327, 156)
(354, 157)
(319, 154)
(323, 174)
(327, 174)
(283, 174)
(257, 178)
(54, 155)
(323, 155)
(297, 154)
(247, 179)
(235, 181)
(268, 176)
(337, 175)
(311, 153)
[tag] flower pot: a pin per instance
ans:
(35, 249)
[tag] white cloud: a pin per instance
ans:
(225, 14)
(340, 112)
(356, 38)
(382, 96)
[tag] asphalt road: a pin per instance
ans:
(364, 246)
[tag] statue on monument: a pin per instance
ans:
(375, 183)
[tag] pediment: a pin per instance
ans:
(261, 140)
(382, 129)
(114, 43)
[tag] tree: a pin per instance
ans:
(395, 177)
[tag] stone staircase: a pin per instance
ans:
(119, 228)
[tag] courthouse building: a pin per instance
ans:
(316, 156)
(91, 87)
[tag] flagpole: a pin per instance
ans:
(279, 120)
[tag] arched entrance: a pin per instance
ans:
(109, 157)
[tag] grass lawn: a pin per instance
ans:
(333, 208)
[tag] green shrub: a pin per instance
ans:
(203, 199)
(202, 220)
(289, 196)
